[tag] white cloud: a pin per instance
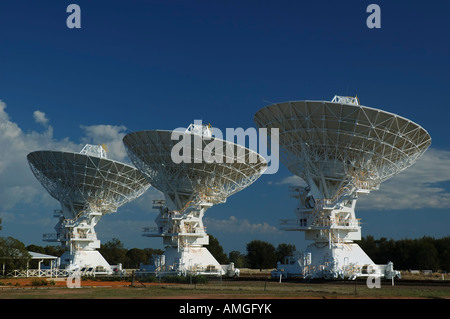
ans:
(420, 186)
(40, 118)
(111, 136)
(6, 217)
(25, 206)
(292, 180)
(145, 202)
(17, 182)
(235, 225)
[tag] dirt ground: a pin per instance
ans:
(56, 288)
(28, 282)
(60, 283)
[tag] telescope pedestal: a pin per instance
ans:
(192, 260)
(85, 261)
(184, 235)
(78, 236)
(340, 149)
(332, 225)
(340, 262)
(194, 170)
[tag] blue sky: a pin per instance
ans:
(138, 65)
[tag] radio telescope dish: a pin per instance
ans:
(208, 171)
(340, 149)
(338, 143)
(193, 178)
(88, 186)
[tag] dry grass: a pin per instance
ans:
(240, 289)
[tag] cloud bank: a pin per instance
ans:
(40, 118)
(423, 185)
(235, 225)
(17, 183)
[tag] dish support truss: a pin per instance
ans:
(88, 188)
(184, 236)
(78, 237)
(189, 190)
(341, 150)
(332, 226)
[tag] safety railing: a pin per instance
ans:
(71, 236)
(52, 273)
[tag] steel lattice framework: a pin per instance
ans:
(341, 149)
(85, 182)
(332, 144)
(195, 179)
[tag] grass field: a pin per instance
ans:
(234, 289)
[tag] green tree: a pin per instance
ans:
(134, 257)
(283, 251)
(427, 254)
(151, 252)
(443, 247)
(261, 254)
(421, 253)
(386, 251)
(13, 254)
(239, 260)
(36, 249)
(53, 250)
(113, 251)
(217, 250)
(404, 251)
(369, 246)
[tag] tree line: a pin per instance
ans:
(423, 253)
(260, 254)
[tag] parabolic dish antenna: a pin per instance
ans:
(194, 171)
(329, 144)
(88, 185)
(340, 149)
